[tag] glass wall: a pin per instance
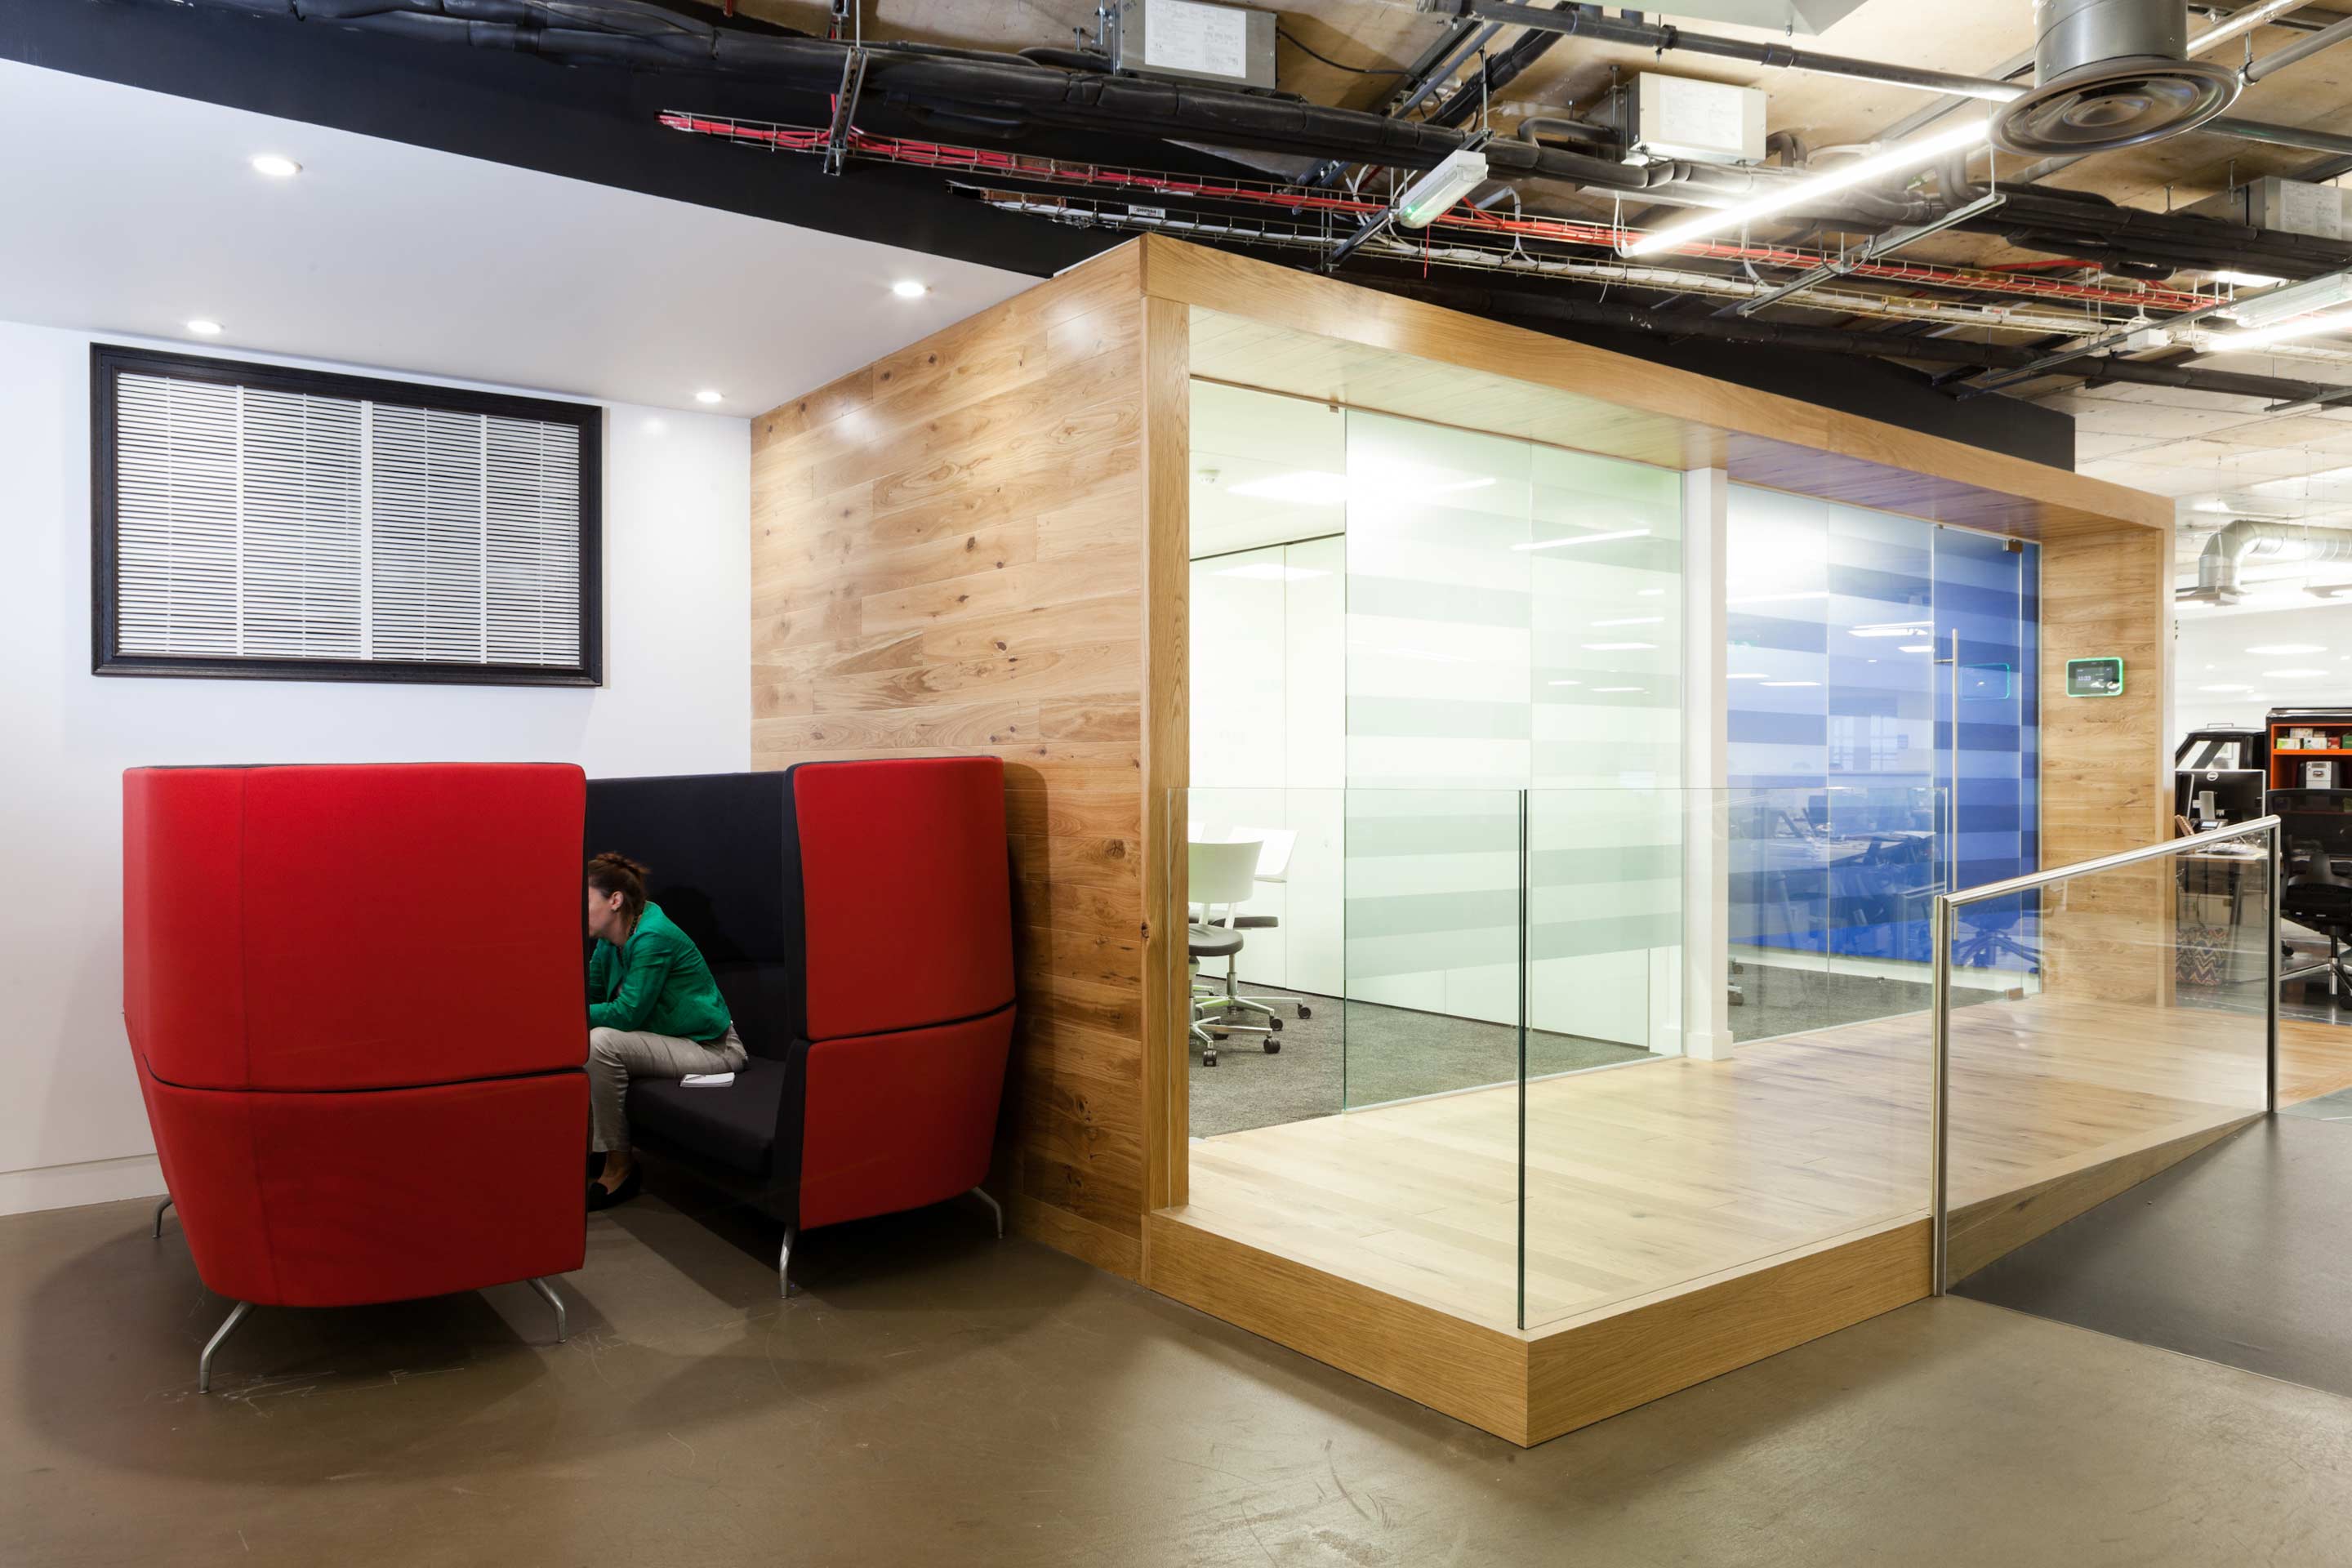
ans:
(1397, 626)
(1882, 760)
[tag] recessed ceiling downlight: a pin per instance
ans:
(709, 395)
(909, 289)
(276, 165)
(204, 328)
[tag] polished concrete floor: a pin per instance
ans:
(938, 1397)
(2241, 1253)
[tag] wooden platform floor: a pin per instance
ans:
(1652, 1177)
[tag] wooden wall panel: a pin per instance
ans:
(949, 555)
(2107, 772)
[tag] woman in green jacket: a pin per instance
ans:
(653, 1011)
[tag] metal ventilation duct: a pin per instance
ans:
(2111, 73)
(2248, 539)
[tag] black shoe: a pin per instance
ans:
(598, 1198)
(595, 1163)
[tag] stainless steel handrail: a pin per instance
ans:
(2124, 857)
(1939, 1088)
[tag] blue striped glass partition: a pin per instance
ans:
(1841, 667)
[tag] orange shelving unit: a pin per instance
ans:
(2334, 725)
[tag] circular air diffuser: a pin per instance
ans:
(2115, 104)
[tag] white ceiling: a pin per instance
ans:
(133, 212)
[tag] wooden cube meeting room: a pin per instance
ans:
(1497, 639)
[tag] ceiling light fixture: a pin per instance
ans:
(1913, 647)
(1584, 539)
(2246, 279)
(1798, 192)
(2321, 293)
(909, 289)
(2301, 327)
(707, 395)
(204, 328)
(1793, 683)
(1428, 197)
(2277, 649)
(1745, 675)
(276, 165)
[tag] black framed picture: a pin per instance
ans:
(252, 521)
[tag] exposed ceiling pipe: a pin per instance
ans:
(1011, 92)
(1526, 304)
(2301, 49)
(1500, 70)
(1587, 22)
(2245, 539)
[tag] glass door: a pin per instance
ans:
(1987, 750)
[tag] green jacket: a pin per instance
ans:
(657, 984)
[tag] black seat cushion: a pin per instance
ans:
(1214, 941)
(734, 1127)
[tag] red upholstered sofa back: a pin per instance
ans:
(907, 897)
(346, 928)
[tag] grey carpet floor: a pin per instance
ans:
(1360, 1053)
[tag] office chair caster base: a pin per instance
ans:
(1305, 1011)
(1275, 1023)
(1273, 1047)
(1208, 1059)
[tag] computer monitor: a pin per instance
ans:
(2237, 794)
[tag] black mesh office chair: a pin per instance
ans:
(2315, 830)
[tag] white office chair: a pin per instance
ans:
(1219, 877)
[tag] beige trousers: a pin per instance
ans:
(614, 1056)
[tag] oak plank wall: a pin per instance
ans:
(947, 555)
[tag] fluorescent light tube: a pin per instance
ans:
(1584, 539)
(2295, 300)
(1599, 689)
(1793, 683)
(2286, 650)
(2301, 327)
(2246, 279)
(1798, 193)
(1427, 198)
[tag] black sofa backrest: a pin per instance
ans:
(715, 846)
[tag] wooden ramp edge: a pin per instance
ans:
(1531, 1386)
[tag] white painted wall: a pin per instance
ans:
(676, 698)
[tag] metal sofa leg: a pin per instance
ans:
(204, 1362)
(994, 1208)
(547, 1289)
(784, 1263)
(159, 1216)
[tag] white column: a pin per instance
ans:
(1706, 860)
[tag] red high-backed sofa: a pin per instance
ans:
(356, 1003)
(858, 919)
